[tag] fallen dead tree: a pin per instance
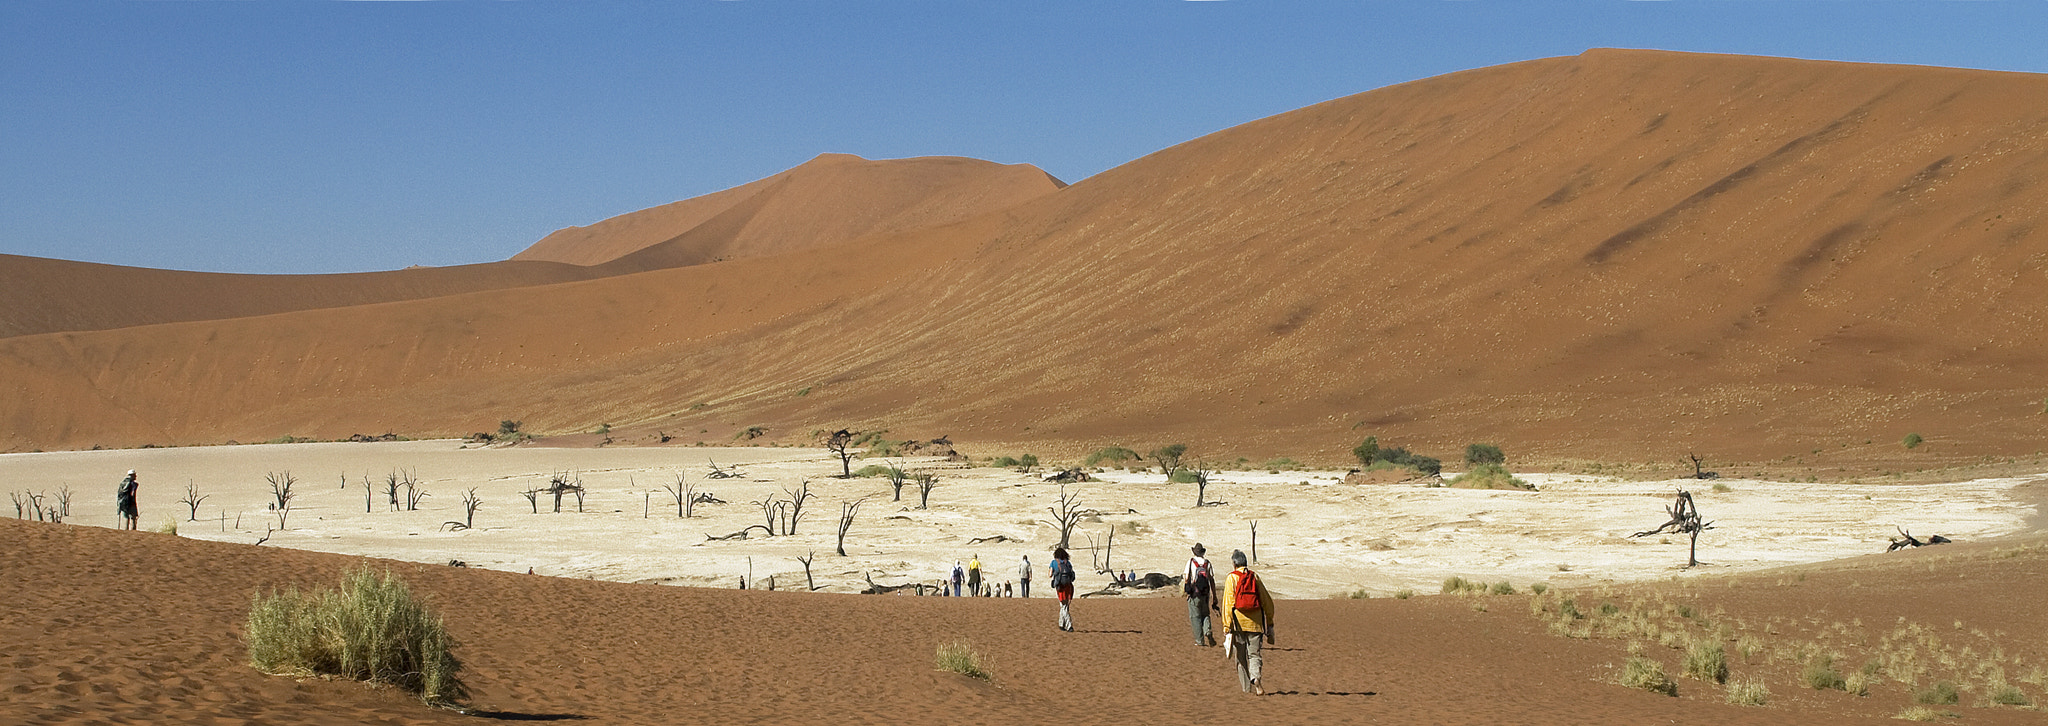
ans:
(1906, 539)
(875, 589)
(990, 540)
(742, 534)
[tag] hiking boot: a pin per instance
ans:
(1258, 690)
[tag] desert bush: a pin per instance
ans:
(1284, 464)
(1646, 674)
(1169, 457)
(959, 657)
(1115, 455)
(370, 629)
(1004, 462)
(1749, 693)
(1820, 674)
(1913, 441)
(1358, 594)
(1403, 594)
(169, 526)
(1367, 451)
(1503, 588)
(1490, 476)
(1940, 694)
(1538, 588)
(874, 470)
(1027, 462)
(2006, 694)
(1484, 454)
(1398, 456)
(1720, 488)
(1707, 661)
(508, 427)
(1183, 476)
(1455, 584)
(1919, 713)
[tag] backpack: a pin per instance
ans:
(1062, 573)
(1203, 583)
(1247, 595)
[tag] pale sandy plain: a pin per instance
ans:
(1317, 536)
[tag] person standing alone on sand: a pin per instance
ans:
(1063, 586)
(124, 501)
(974, 575)
(1247, 617)
(1198, 583)
(1024, 578)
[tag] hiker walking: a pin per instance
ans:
(974, 574)
(124, 501)
(958, 575)
(1063, 586)
(1198, 583)
(1024, 578)
(1247, 618)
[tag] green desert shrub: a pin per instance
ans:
(370, 629)
(1820, 674)
(1490, 476)
(1113, 455)
(1538, 588)
(1942, 693)
(1484, 454)
(1367, 451)
(1919, 713)
(874, 470)
(1004, 462)
(2006, 694)
(1913, 441)
(1749, 693)
(1403, 594)
(1707, 661)
(1646, 674)
(1183, 476)
(1503, 588)
(1456, 584)
(959, 657)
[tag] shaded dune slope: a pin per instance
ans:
(1623, 253)
(118, 626)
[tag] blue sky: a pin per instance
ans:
(298, 136)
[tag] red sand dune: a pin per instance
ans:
(111, 626)
(827, 201)
(1623, 254)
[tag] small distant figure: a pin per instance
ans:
(959, 576)
(1063, 586)
(1007, 592)
(974, 574)
(1198, 583)
(1247, 618)
(1024, 577)
(124, 501)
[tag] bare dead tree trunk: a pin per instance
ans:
(281, 491)
(470, 503)
(1201, 486)
(840, 443)
(809, 584)
(896, 479)
(1255, 541)
(192, 500)
(1066, 515)
(1685, 519)
(925, 482)
(797, 498)
(846, 512)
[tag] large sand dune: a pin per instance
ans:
(1623, 254)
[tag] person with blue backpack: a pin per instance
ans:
(1063, 585)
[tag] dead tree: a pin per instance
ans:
(809, 584)
(1201, 485)
(1066, 515)
(925, 482)
(192, 500)
(1255, 541)
(64, 502)
(20, 505)
(742, 534)
(470, 503)
(685, 495)
(1906, 539)
(896, 479)
(1697, 468)
(1685, 519)
(721, 473)
(368, 489)
(533, 498)
(413, 492)
(797, 498)
(874, 589)
(771, 510)
(391, 490)
(846, 512)
(281, 492)
(1108, 546)
(562, 483)
(841, 444)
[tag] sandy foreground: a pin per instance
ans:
(1317, 537)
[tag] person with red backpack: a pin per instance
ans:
(1063, 586)
(1199, 585)
(1247, 618)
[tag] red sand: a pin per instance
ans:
(109, 626)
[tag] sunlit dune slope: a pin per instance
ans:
(827, 201)
(1621, 254)
(831, 199)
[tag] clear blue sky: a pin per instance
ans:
(293, 136)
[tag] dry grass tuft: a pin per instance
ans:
(371, 629)
(1646, 674)
(959, 657)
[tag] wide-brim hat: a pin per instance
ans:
(1199, 551)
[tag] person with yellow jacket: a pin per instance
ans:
(1247, 618)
